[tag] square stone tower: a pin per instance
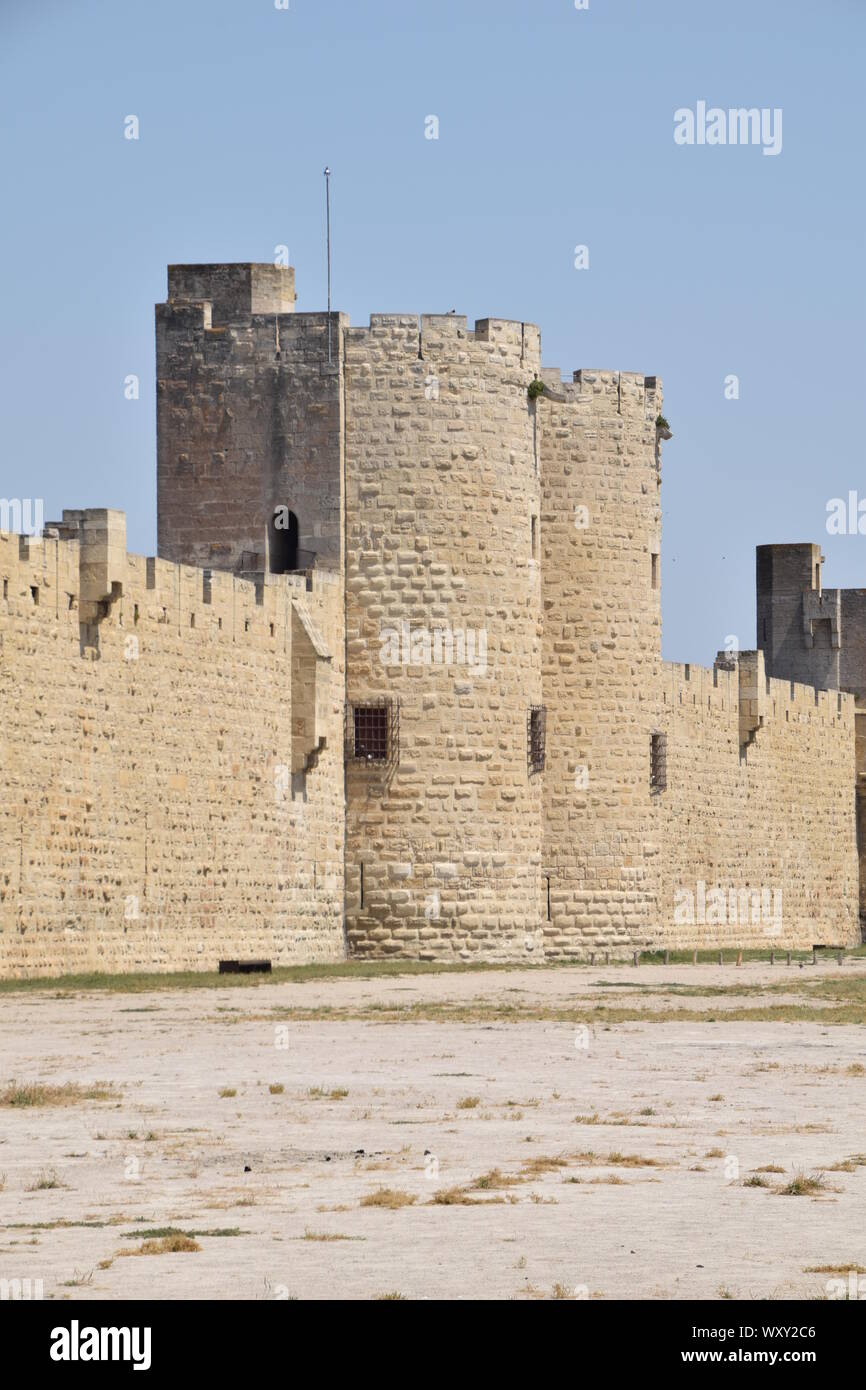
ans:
(249, 423)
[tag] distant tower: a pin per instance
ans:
(249, 452)
(798, 622)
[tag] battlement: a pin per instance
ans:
(234, 290)
(591, 387)
(738, 682)
(504, 342)
(83, 574)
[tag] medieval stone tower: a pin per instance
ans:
(818, 636)
(393, 684)
(472, 526)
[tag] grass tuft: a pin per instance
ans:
(389, 1197)
(27, 1095)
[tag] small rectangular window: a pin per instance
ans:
(658, 762)
(34, 592)
(371, 728)
(536, 729)
(655, 571)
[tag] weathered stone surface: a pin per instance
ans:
(178, 772)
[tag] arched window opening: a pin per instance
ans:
(283, 541)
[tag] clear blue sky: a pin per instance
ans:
(556, 128)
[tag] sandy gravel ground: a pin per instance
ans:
(562, 1114)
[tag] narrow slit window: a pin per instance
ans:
(533, 537)
(658, 762)
(654, 571)
(536, 731)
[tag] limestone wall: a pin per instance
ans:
(182, 777)
(443, 494)
(170, 759)
(760, 796)
(600, 530)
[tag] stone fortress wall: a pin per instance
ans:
(171, 759)
(374, 536)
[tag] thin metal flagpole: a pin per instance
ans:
(328, 229)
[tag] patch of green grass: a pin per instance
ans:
(25, 1095)
(164, 1232)
(848, 1010)
(328, 1236)
(804, 1185)
(286, 974)
(61, 1224)
(166, 1245)
(358, 970)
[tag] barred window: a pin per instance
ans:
(658, 762)
(536, 728)
(373, 731)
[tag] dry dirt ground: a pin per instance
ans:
(535, 1134)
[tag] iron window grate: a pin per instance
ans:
(658, 762)
(372, 732)
(536, 730)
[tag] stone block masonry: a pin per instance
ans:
(443, 502)
(393, 686)
(759, 807)
(171, 754)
